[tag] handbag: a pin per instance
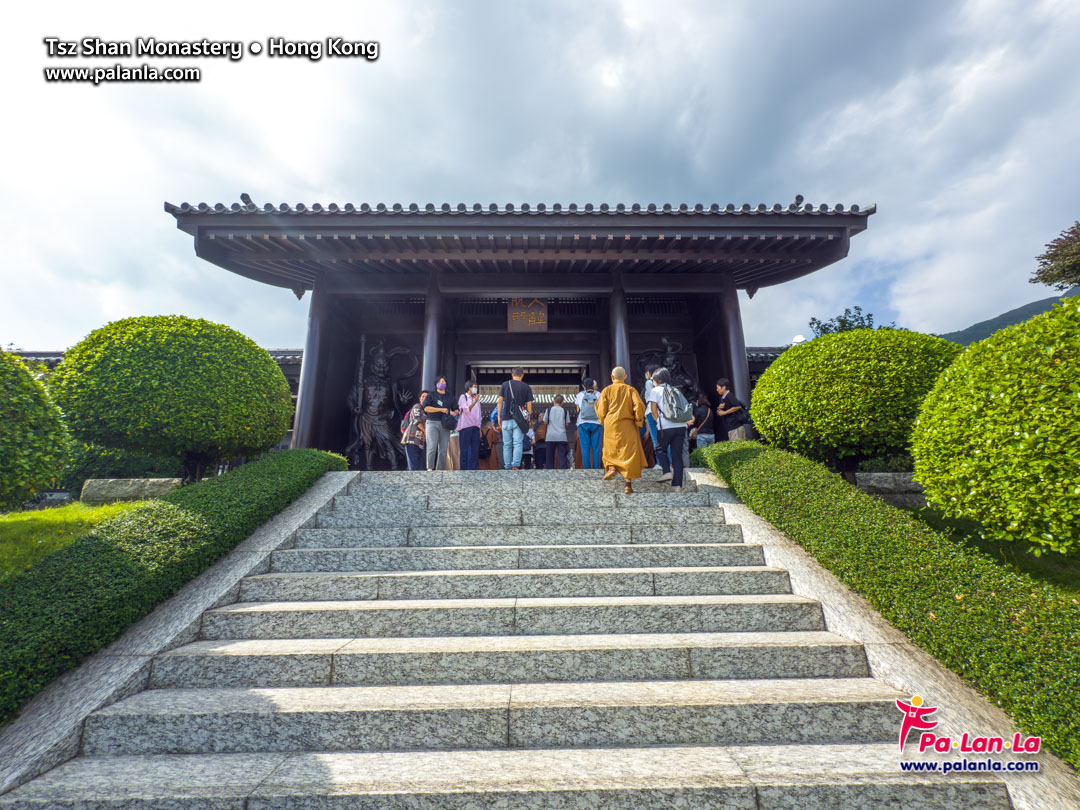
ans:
(449, 421)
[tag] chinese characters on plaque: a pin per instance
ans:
(526, 316)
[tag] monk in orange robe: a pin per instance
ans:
(622, 412)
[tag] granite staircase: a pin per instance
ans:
(492, 639)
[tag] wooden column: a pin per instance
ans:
(619, 327)
(735, 342)
(433, 325)
(312, 372)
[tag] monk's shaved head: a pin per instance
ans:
(618, 373)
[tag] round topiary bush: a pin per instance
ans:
(849, 395)
(998, 438)
(173, 386)
(33, 439)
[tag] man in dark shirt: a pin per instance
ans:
(732, 411)
(514, 393)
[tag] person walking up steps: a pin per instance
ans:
(622, 412)
(649, 418)
(672, 413)
(514, 407)
(590, 429)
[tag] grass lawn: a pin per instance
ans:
(1052, 568)
(26, 537)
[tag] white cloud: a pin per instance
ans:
(959, 121)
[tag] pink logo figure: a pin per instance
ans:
(915, 716)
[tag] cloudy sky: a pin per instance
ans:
(959, 120)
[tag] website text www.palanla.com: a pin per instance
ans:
(971, 766)
(122, 73)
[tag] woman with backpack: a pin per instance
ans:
(590, 428)
(672, 413)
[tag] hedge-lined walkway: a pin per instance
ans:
(83, 597)
(1009, 635)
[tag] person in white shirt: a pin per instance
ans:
(672, 435)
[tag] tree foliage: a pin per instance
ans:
(173, 386)
(998, 438)
(1059, 266)
(33, 439)
(852, 318)
(851, 395)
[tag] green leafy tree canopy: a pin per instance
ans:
(997, 440)
(173, 386)
(1059, 266)
(33, 439)
(852, 318)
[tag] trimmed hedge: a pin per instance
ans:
(85, 596)
(173, 386)
(33, 439)
(1009, 635)
(998, 437)
(849, 395)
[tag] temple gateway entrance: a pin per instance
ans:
(400, 295)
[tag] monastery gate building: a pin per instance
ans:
(404, 293)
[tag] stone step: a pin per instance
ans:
(484, 518)
(446, 717)
(535, 500)
(507, 659)
(462, 557)
(479, 477)
(391, 537)
(514, 583)
(753, 777)
(508, 486)
(505, 617)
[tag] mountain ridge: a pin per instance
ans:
(983, 329)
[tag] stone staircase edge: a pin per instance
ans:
(892, 657)
(48, 731)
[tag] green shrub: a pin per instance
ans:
(1011, 636)
(998, 438)
(33, 439)
(848, 395)
(83, 597)
(173, 386)
(896, 463)
(94, 461)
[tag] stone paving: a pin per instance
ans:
(449, 640)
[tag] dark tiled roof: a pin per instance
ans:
(525, 209)
(764, 353)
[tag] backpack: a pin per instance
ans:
(485, 447)
(588, 405)
(676, 408)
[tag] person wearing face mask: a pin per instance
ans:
(469, 427)
(441, 421)
(590, 428)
